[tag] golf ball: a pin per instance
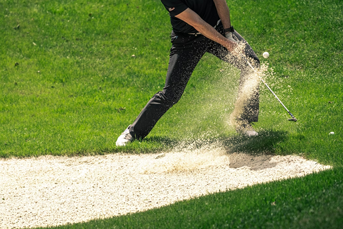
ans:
(332, 133)
(265, 54)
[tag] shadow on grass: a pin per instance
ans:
(265, 142)
(165, 141)
(154, 144)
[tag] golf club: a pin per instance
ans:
(293, 119)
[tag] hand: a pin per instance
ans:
(231, 46)
(237, 48)
(229, 36)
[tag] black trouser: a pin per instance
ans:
(185, 54)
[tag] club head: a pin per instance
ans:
(292, 119)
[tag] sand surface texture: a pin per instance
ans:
(59, 190)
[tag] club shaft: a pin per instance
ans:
(269, 88)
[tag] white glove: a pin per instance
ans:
(229, 36)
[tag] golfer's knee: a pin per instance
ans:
(168, 98)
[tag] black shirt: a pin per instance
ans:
(206, 9)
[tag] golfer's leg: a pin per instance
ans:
(249, 84)
(248, 92)
(181, 65)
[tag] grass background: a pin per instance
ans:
(77, 86)
(75, 74)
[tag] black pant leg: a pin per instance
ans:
(183, 60)
(248, 111)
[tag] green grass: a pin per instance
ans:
(77, 86)
(89, 87)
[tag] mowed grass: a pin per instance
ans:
(87, 68)
(75, 74)
(76, 85)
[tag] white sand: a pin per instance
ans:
(59, 190)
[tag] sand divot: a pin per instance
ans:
(59, 190)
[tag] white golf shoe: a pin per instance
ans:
(247, 130)
(250, 133)
(124, 138)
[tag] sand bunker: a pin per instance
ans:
(59, 190)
